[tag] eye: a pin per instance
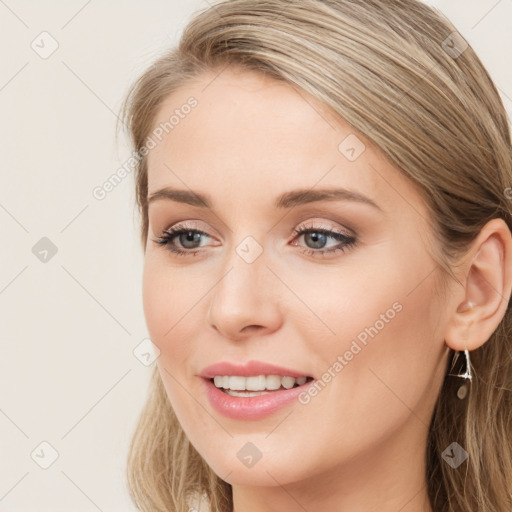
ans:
(187, 237)
(317, 237)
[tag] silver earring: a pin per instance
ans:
(465, 373)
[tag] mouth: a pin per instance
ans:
(253, 390)
(246, 387)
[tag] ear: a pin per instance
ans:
(481, 303)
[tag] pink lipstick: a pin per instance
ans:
(252, 391)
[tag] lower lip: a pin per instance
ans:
(251, 408)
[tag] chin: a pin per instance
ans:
(241, 463)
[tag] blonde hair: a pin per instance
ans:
(382, 67)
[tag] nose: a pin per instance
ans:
(244, 301)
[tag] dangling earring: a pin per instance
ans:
(465, 374)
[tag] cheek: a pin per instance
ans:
(385, 335)
(391, 348)
(383, 320)
(165, 303)
(156, 297)
(175, 307)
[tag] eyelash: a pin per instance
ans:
(168, 236)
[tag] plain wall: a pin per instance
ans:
(69, 325)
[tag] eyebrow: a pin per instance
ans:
(286, 200)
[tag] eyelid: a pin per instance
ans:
(194, 225)
(311, 224)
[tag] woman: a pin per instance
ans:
(325, 194)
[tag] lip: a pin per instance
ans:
(250, 369)
(251, 408)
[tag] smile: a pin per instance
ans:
(250, 405)
(235, 385)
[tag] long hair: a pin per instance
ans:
(399, 74)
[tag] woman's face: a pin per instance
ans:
(350, 303)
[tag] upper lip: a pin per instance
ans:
(249, 369)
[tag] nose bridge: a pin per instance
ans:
(247, 250)
(243, 274)
(244, 294)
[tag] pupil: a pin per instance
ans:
(189, 237)
(316, 237)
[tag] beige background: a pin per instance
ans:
(69, 326)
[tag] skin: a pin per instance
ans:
(360, 443)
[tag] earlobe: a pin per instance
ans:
(481, 305)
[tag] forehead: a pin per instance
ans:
(249, 134)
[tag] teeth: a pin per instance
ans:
(237, 383)
(259, 383)
(273, 382)
(288, 382)
(255, 383)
